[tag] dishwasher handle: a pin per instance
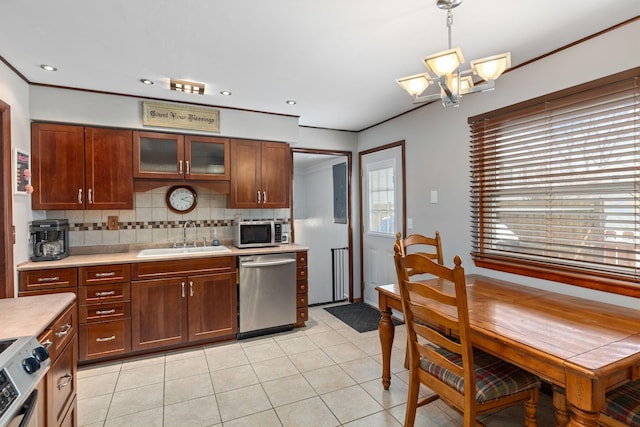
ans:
(254, 264)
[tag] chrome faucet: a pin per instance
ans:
(184, 233)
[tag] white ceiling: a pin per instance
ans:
(337, 58)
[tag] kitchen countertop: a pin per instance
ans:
(130, 257)
(29, 316)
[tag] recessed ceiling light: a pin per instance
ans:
(147, 81)
(291, 102)
(225, 92)
(187, 86)
(48, 67)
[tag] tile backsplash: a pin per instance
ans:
(151, 221)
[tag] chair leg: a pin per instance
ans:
(412, 400)
(530, 407)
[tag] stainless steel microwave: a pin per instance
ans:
(257, 234)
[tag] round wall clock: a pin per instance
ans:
(181, 199)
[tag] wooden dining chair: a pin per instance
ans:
(428, 246)
(622, 406)
(467, 379)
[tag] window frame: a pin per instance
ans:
(528, 264)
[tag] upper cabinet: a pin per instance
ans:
(75, 167)
(173, 156)
(260, 174)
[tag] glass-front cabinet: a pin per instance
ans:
(174, 156)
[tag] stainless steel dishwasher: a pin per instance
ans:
(267, 294)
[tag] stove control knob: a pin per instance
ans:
(30, 365)
(40, 353)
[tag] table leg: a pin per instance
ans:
(560, 406)
(386, 330)
(580, 418)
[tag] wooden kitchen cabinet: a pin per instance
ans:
(302, 285)
(104, 295)
(173, 156)
(59, 386)
(183, 301)
(75, 167)
(260, 174)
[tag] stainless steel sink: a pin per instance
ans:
(163, 252)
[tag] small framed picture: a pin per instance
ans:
(22, 171)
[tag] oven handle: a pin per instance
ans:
(27, 409)
(267, 263)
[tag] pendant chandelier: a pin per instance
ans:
(444, 69)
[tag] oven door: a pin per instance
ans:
(27, 414)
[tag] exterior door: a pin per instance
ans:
(382, 216)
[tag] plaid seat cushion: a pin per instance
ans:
(623, 404)
(495, 378)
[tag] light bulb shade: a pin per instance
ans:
(445, 62)
(414, 85)
(466, 83)
(491, 67)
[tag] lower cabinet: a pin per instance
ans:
(185, 308)
(59, 386)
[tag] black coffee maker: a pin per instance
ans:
(49, 239)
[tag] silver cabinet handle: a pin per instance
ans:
(105, 293)
(100, 312)
(90, 198)
(190, 288)
(264, 197)
(258, 197)
(48, 279)
(109, 274)
(180, 166)
(188, 168)
(47, 343)
(111, 338)
(68, 378)
(66, 330)
(182, 289)
(79, 196)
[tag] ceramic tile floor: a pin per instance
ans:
(326, 374)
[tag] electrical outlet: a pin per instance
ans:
(112, 223)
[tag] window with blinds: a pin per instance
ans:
(555, 187)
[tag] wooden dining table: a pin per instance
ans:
(582, 347)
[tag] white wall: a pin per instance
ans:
(437, 143)
(314, 226)
(15, 92)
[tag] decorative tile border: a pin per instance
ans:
(140, 225)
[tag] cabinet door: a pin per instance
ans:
(158, 155)
(245, 174)
(276, 175)
(206, 158)
(213, 306)
(57, 167)
(158, 313)
(109, 170)
(62, 384)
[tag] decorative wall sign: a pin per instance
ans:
(180, 116)
(22, 172)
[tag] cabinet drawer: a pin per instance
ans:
(103, 312)
(48, 279)
(162, 269)
(115, 273)
(301, 259)
(105, 339)
(301, 273)
(302, 286)
(63, 331)
(62, 382)
(302, 313)
(301, 300)
(108, 292)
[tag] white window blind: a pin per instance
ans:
(556, 186)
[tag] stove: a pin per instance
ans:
(23, 363)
